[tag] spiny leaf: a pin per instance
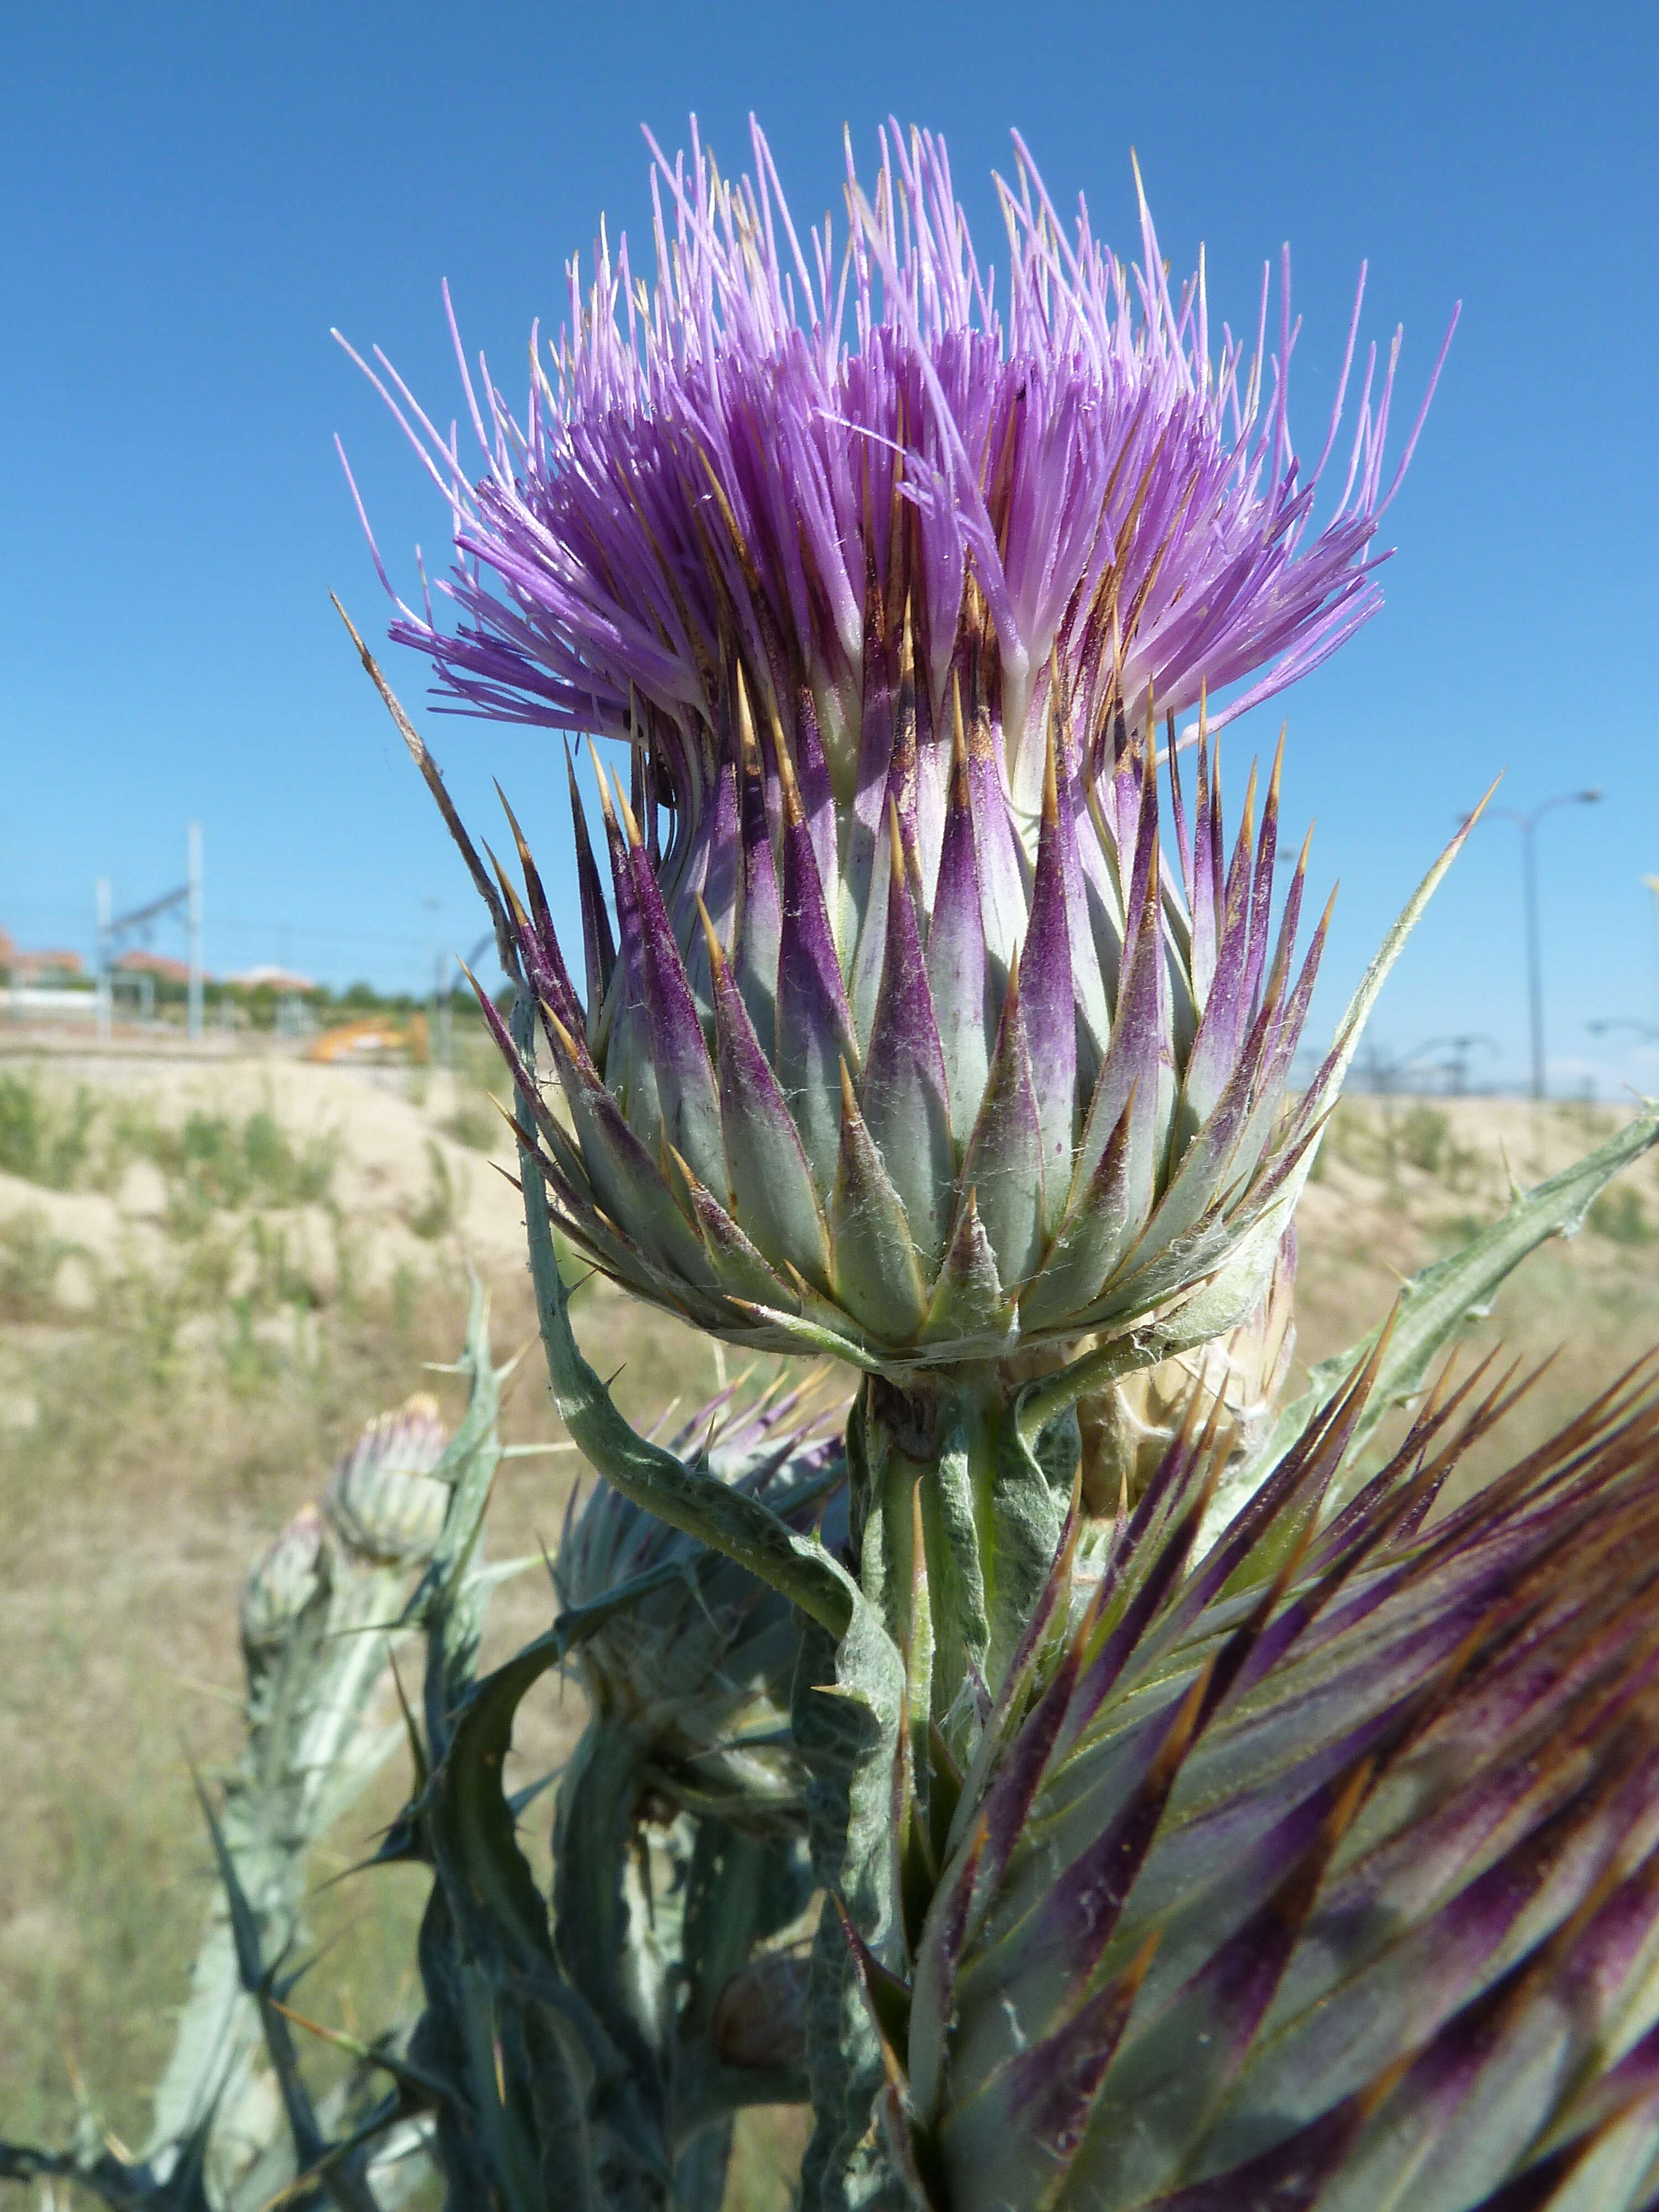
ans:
(1437, 1301)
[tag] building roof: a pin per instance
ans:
(139, 963)
(273, 979)
(59, 961)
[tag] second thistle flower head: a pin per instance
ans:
(386, 1501)
(289, 1577)
(901, 1032)
(696, 1658)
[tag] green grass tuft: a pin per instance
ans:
(435, 1214)
(44, 1138)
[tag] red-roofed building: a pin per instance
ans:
(151, 963)
(36, 967)
(281, 979)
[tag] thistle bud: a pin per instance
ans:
(699, 1665)
(288, 1576)
(760, 2015)
(384, 1501)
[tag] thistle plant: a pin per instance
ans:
(319, 1615)
(924, 1027)
(934, 1023)
(321, 1611)
(1213, 1802)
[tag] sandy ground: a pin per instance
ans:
(384, 1139)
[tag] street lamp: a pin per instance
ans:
(1647, 1029)
(1527, 825)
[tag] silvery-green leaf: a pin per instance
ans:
(1438, 1301)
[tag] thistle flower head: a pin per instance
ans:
(788, 454)
(383, 1500)
(1319, 1868)
(1016, 1106)
(901, 1035)
(290, 1574)
(695, 1658)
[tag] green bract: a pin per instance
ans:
(1002, 1103)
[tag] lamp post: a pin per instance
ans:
(1650, 1030)
(1527, 825)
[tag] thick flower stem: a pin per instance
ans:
(955, 1518)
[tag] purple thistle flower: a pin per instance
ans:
(711, 470)
(908, 1041)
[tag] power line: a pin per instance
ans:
(112, 928)
(55, 912)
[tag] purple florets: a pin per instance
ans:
(736, 467)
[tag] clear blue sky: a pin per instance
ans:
(194, 194)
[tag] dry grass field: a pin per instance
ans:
(210, 1274)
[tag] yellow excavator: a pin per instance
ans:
(377, 1033)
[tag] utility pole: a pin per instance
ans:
(193, 922)
(1527, 825)
(1456, 1062)
(101, 896)
(114, 929)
